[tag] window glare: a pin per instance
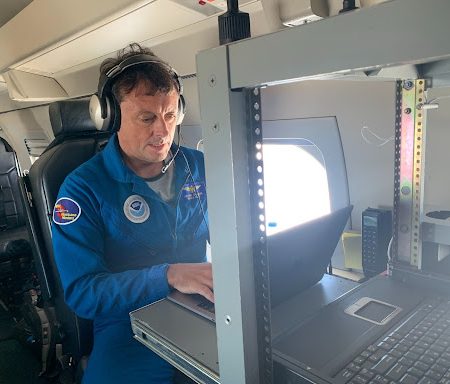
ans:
(296, 186)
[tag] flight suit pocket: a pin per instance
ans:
(142, 237)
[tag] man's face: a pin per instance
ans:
(147, 127)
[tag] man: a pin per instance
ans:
(131, 223)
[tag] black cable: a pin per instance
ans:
(166, 166)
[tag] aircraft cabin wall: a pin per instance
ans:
(355, 104)
(437, 158)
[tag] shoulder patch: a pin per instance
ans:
(66, 211)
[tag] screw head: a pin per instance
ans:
(212, 81)
(406, 190)
(408, 84)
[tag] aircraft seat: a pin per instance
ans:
(11, 209)
(15, 251)
(76, 140)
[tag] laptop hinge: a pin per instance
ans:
(425, 280)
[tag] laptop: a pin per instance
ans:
(298, 259)
(394, 328)
(161, 326)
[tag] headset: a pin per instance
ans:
(103, 106)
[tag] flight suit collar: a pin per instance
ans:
(119, 171)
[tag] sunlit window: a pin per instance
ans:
(296, 185)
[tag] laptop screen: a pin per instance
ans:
(299, 256)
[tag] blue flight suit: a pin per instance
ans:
(113, 238)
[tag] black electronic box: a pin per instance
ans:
(376, 234)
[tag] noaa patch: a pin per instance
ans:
(66, 211)
(136, 209)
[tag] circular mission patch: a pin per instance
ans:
(66, 211)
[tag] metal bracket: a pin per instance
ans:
(408, 181)
(260, 257)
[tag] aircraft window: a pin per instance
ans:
(296, 184)
(35, 147)
(33, 159)
(319, 152)
(304, 171)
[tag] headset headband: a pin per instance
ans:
(106, 80)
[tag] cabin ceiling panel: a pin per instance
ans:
(178, 48)
(2, 84)
(46, 24)
(10, 8)
(68, 44)
(149, 21)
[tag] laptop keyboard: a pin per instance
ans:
(416, 352)
(206, 304)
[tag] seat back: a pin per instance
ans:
(15, 250)
(76, 141)
(11, 207)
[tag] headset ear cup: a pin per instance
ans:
(181, 109)
(95, 111)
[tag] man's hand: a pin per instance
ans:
(192, 278)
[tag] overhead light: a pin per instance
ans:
(205, 7)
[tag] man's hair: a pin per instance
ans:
(157, 77)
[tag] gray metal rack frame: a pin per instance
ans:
(391, 34)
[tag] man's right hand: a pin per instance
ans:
(192, 278)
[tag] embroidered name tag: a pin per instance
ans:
(193, 190)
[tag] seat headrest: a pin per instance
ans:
(70, 116)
